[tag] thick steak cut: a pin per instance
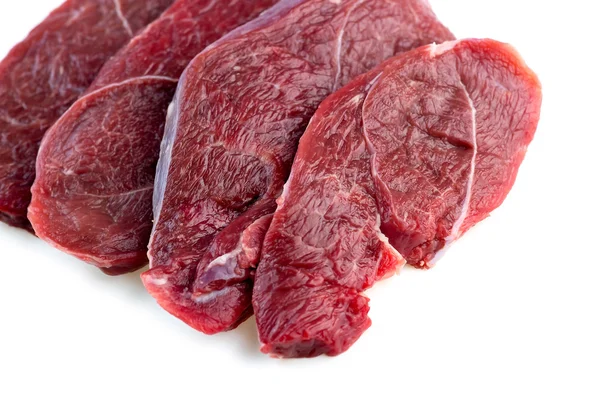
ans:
(95, 172)
(43, 75)
(394, 166)
(232, 133)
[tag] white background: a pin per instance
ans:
(511, 312)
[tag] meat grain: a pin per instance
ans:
(43, 75)
(395, 166)
(92, 196)
(232, 133)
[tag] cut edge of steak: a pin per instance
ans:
(179, 275)
(92, 197)
(164, 161)
(414, 112)
(45, 73)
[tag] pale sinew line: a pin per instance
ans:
(436, 51)
(386, 241)
(376, 178)
(465, 207)
(107, 196)
(124, 21)
(339, 42)
(107, 87)
(164, 163)
(208, 7)
(439, 49)
(131, 80)
(224, 258)
(207, 297)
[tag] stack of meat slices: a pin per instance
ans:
(43, 75)
(311, 150)
(92, 195)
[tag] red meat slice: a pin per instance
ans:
(92, 196)
(43, 75)
(232, 133)
(417, 151)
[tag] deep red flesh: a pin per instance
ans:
(230, 139)
(416, 151)
(92, 196)
(43, 75)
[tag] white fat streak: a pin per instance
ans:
(124, 21)
(264, 19)
(297, 165)
(371, 148)
(368, 142)
(164, 162)
(455, 232)
(112, 195)
(208, 7)
(223, 259)
(136, 79)
(149, 28)
(158, 281)
(437, 50)
(385, 240)
(207, 297)
(286, 191)
(340, 39)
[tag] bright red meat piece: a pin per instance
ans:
(232, 133)
(43, 75)
(396, 165)
(92, 196)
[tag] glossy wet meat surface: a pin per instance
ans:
(232, 133)
(43, 75)
(394, 166)
(92, 196)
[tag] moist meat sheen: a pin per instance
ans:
(395, 166)
(232, 132)
(43, 75)
(95, 172)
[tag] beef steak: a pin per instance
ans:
(93, 193)
(43, 75)
(394, 166)
(232, 133)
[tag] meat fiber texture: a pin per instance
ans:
(232, 133)
(43, 75)
(395, 166)
(92, 196)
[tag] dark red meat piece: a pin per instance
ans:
(418, 150)
(93, 193)
(232, 133)
(43, 75)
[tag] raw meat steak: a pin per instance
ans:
(93, 193)
(394, 166)
(231, 135)
(43, 75)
